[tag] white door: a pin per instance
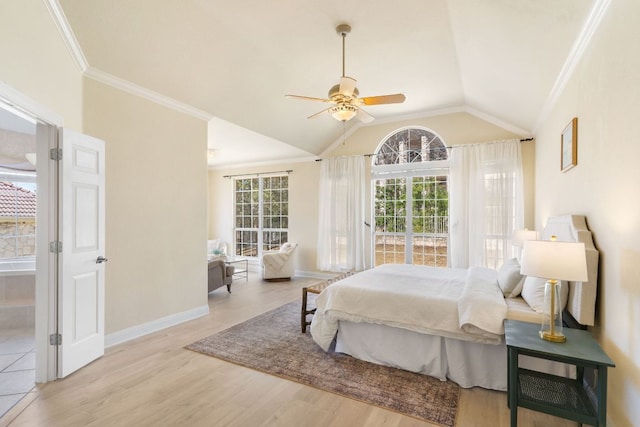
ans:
(82, 235)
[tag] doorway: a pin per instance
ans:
(18, 190)
(70, 207)
(44, 123)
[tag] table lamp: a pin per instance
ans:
(520, 236)
(554, 261)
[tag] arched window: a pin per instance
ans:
(410, 145)
(410, 199)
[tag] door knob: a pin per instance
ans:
(101, 259)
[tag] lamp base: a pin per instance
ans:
(552, 336)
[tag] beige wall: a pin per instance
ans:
(156, 206)
(303, 207)
(36, 62)
(156, 171)
(604, 93)
(460, 128)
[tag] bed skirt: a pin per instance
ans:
(466, 363)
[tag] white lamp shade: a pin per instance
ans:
(520, 236)
(554, 260)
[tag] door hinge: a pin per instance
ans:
(55, 154)
(55, 339)
(55, 247)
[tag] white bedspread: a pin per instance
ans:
(481, 307)
(417, 298)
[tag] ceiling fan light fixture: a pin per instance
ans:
(343, 112)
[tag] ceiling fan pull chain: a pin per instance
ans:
(344, 127)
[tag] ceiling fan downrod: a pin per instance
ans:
(343, 30)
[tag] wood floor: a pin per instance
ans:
(154, 381)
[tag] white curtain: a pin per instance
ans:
(341, 216)
(485, 202)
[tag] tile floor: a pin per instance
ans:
(17, 366)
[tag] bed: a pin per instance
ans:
(446, 323)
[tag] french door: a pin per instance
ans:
(411, 216)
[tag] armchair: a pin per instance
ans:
(220, 274)
(279, 264)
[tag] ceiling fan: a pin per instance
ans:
(344, 96)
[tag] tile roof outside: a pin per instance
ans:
(16, 201)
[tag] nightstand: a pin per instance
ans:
(551, 394)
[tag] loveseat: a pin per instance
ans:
(220, 274)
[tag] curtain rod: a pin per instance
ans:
(288, 171)
(491, 142)
(454, 146)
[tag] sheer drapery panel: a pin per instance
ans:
(341, 217)
(486, 202)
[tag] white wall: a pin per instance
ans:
(604, 93)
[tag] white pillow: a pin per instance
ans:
(518, 289)
(533, 293)
(509, 277)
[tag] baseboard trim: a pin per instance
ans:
(154, 326)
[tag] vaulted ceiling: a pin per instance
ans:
(234, 61)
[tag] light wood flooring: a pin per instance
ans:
(154, 381)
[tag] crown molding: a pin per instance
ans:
(575, 55)
(498, 122)
(67, 34)
(86, 70)
(134, 89)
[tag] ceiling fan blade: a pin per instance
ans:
(310, 98)
(319, 113)
(347, 86)
(384, 99)
(363, 116)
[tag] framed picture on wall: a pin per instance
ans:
(569, 146)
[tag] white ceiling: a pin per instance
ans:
(236, 60)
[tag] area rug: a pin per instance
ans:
(272, 343)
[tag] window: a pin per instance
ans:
(261, 214)
(17, 220)
(411, 145)
(411, 199)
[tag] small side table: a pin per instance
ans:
(551, 394)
